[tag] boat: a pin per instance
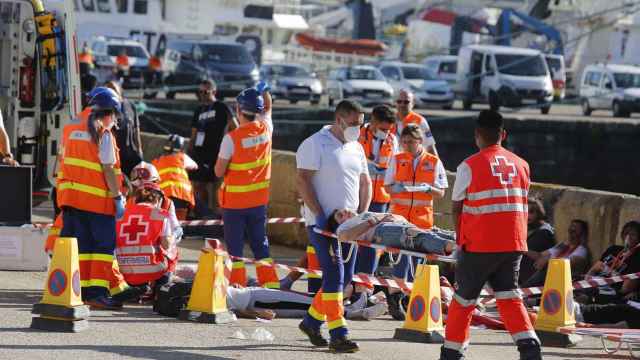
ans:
(365, 47)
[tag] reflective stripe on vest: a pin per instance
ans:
(83, 188)
(494, 208)
(247, 188)
(142, 249)
(146, 269)
(497, 193)
(166, 184)
(174, 170)
(174, 179)
(250, 165)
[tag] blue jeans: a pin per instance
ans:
(367, 261)
(242, 223)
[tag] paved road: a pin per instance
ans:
(136, 333)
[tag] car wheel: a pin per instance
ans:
(447, 107)
(586, 109)
(545, 109)
(330, 102)
(618, 112)
(494, 103)
(293, 102)
(170, 95)
(467, 104)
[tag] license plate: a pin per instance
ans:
(300, 91)
(374, 95)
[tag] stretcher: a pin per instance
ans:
(630, 337)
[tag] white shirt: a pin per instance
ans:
(338, 168)
(226, 147)
(107, 152)
(238, 299)
(189, 163)
(463, 180)
(579, 251)
(440, 175)
(427, 137)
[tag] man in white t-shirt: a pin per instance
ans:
(332, 174)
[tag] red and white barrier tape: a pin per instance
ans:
(586, 284)
(285, 220)
(392, 250)
(372, 280)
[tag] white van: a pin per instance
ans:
(443, 67)
(503, 76)
(609, 86)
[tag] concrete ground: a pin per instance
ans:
(136, 333)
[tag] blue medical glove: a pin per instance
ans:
(262, 86)
(321, 221)
(397, 188)
(120, 203)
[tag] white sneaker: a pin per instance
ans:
(374, 311)
(357, 305)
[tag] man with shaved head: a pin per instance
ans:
(405, 115)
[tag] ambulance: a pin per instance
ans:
(39, 80)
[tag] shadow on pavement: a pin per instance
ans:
(160, 352)
(19, 298)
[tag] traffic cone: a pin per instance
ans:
(556, 307)
(61, 307)
(424, 313)
(208, 299)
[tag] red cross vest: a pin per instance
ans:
(416, 207)
(140, 257)
(494, 212)
(367, 140)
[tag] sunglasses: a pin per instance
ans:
(405, 102)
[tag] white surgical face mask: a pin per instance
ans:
(381, 134)
(351, 133)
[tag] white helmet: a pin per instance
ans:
(144, 172)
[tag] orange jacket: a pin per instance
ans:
(416, 207)
(81, 182)
(411, 118)
(155, 64)
(85, 57)
(494, 213)
(367, 140)
(140, 257)
(246, 182)
(174, 180)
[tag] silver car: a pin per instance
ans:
(292, 82)
(362, 83)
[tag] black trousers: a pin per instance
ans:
(475, 269)
(611, 313)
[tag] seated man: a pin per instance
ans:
(144, 239)
(574, 248)
(608, 314)
(390, 230)
(254, 302)
(617, 260)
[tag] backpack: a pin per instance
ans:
(172, 297)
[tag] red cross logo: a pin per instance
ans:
(503, 170)
(133, 229)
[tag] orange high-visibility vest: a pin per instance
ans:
(155, 64)
(174, 180)
(246, 183)
(367, 140)
(85, 57)
(81, 183)
(140, 257)
(122, 61)
(494, 213)
(411, 118)
(416, 207)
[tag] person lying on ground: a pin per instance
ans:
(616, 260)
(252, 302)
(611, 315)
(574, 248)
(390, 230)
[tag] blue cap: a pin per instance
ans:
(250, 101)
(103, 98)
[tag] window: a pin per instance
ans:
(140, 7)
(627, 80)
(366, 74)
(227, 54)
(607, 83)
(594, 79)
(98, 48)
(521, 65)
(181, 47)
(88, 5)
(488, 67)
(587, 78)
(416, 73)
(131, 51)
(122, 5)
(448, 67)
(390, 73)
(104, 6)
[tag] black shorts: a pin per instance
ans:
(205, 173)
(473, 270)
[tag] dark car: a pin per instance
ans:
(292, 82)
(189, 62)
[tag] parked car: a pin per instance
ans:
(610, 86)
(292, 82)
(363, 83)
(189, 61)
(443, 67)
(428, 90)
(503, 76)
(106, 50)
(558, 71)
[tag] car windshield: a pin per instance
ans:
(228, 54)
(364, 74)
(627, 80)
(521, 65)
(131, 51)
(416, 73)
(554, 64)
(289, 71)
(448, 67)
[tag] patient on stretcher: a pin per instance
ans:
(390, 230)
